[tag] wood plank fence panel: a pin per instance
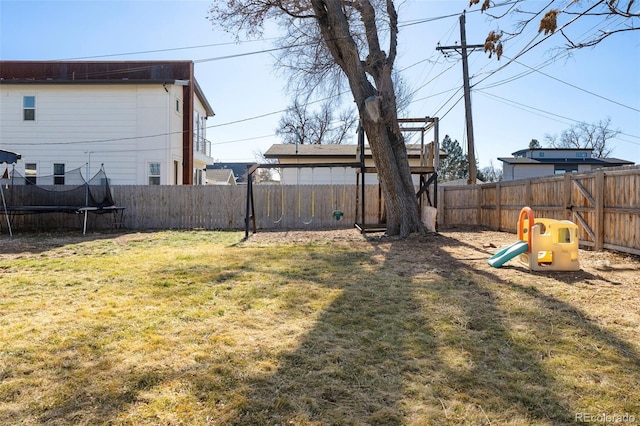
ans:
(489, 211)
(621, 221)
(545, 197)
(460, 205)
(604, 204)
(582, 206)
(511, 199)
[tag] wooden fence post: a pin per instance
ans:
(478, 190)
(568, 202)
(441, 207)
(498, 208)
(599, 211)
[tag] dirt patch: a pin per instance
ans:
(473, 247)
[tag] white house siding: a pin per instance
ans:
(123, 127)
(526, 171)
(328, 176)
(319, 176)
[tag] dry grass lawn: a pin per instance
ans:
(168, 328)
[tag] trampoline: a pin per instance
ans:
(68, 193)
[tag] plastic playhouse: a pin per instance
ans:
(543, 244)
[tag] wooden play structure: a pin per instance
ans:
(426, 170)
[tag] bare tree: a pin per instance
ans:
(327, 39)
(557, 16)
(299, 125)
(583, 135)
(491, 173)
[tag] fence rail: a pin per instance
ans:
(604, 204)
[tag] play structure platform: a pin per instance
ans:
(543, 244)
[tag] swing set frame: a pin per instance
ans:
(427, 170)
(250, 217)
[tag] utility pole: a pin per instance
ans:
(471, 153)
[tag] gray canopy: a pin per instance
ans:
(9, 157)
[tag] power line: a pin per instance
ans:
(547, 113)
(243, 140)
(573, 86)
(169, 49)
(202, 46)
(407, 23)
(531, 44)
(127, 138)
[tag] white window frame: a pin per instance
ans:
(28, 108)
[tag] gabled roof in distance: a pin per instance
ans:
(331, 150)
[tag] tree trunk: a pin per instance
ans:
(381, 122)
(390, 157)
(369, 78)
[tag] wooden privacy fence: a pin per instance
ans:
(219, 207)
(605, 204)
(224, 207)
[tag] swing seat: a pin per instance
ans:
(337, 214)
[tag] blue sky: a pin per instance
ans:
(510, 106)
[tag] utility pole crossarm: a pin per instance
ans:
(456, 47)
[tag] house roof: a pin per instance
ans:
(331, 150)
(239, 169)
(523, 151)
(221, 175)
(102, 72)
(606, 162)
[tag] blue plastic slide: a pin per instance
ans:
(508, 253)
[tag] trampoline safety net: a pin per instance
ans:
(56, 192)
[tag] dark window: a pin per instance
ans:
(58, 174)
(565, 168)
(31, 172)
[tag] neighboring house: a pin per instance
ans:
(144, 120)
(220, 177)
(239, 170)
(323, 154)
(529, 163)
